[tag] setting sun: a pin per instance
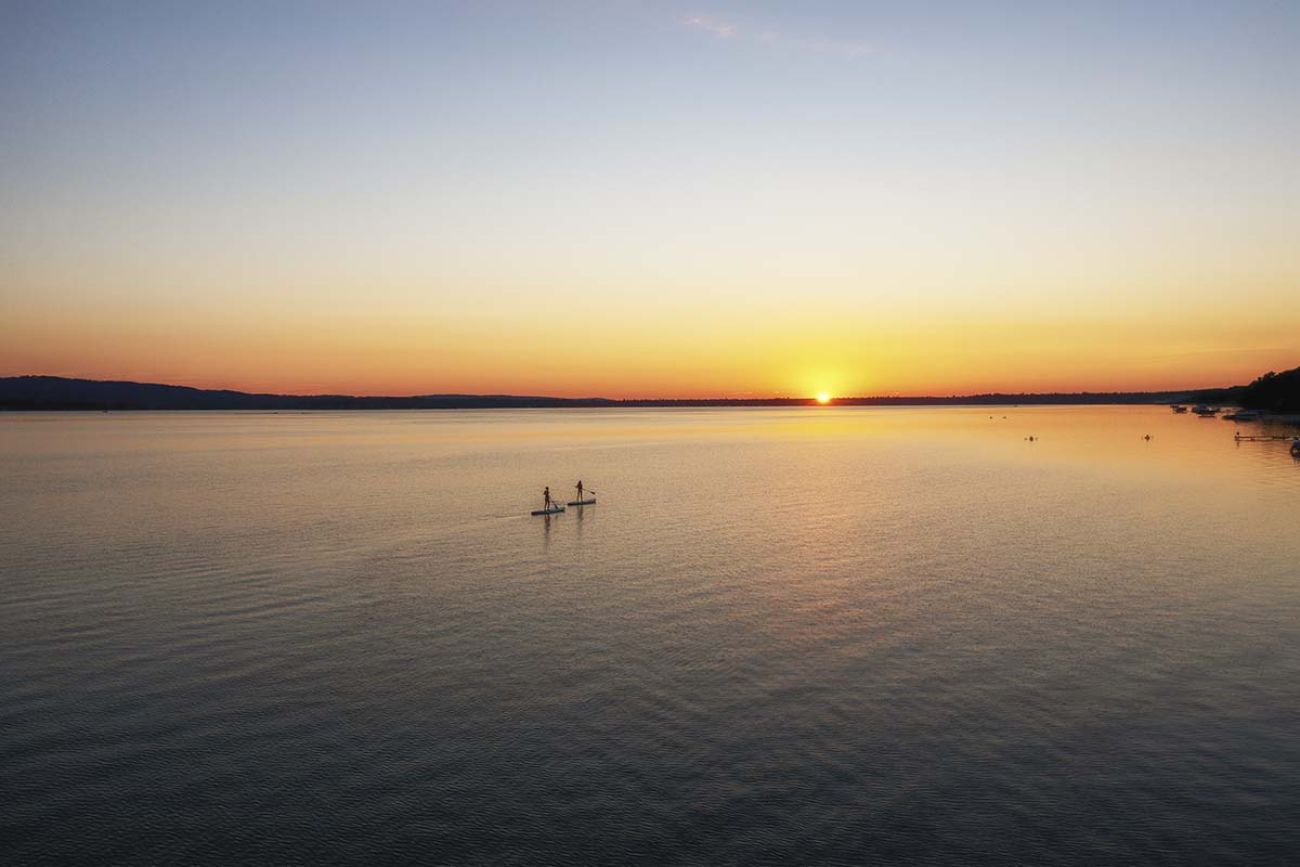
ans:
(823, 397)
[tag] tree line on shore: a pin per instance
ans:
(1272, 392)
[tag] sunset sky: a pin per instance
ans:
(650, 198)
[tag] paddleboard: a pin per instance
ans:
(554, 510)
(590, 502)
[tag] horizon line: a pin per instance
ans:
(812, 398)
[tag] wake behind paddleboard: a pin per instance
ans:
(590, 502)
(554, 510)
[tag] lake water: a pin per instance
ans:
(832, 636)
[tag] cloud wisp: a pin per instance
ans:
(721, 29)
(768, 36)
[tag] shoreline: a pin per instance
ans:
(61, 394)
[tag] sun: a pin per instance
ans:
(823, 397)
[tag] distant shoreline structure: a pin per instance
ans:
(54, 393)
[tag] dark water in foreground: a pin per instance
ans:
(838, 636)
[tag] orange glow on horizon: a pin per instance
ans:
(670, 354)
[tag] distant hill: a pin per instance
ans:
(59, 393)
(1272, 392)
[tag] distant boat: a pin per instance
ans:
(1177, 407)
(1242, 415)
(1205, 411)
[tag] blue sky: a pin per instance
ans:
(923, 169)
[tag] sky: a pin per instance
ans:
(650, 199)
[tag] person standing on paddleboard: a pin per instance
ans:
(546, 497)
(579, 490)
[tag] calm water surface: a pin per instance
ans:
(836, 636)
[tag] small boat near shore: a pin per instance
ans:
(1205, 411)
(1177, 407)
(1242, 415)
